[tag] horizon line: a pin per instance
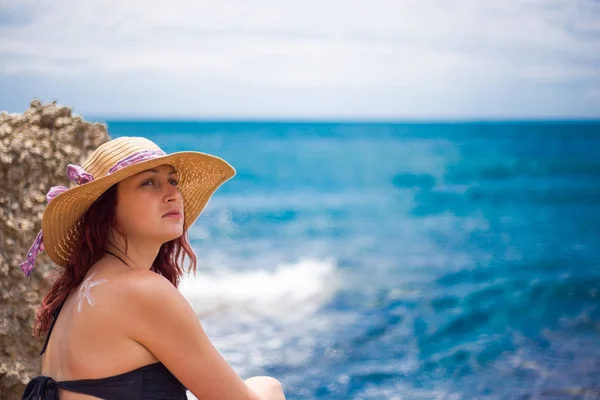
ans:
(339, 120)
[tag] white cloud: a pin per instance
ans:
(415, 46)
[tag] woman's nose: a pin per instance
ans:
(172, 192)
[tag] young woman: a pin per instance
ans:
(116, 326)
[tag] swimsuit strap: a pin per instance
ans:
(112, 254)
(55, 313)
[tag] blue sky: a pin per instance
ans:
(393, 59)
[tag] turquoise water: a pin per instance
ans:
(401, 261)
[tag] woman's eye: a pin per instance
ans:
(150, 182)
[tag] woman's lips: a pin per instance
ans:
(172, 214)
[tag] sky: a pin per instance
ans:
(310, 59)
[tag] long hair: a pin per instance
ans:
(97, 223)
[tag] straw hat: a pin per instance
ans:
(200, 175)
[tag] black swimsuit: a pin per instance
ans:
(153, 381)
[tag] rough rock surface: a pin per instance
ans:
(35, 148)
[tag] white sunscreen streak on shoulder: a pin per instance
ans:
(85, 291)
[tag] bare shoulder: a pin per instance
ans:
(146, 291)
(162, 320)
(143, 282)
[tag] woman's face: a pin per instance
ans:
(150, 206)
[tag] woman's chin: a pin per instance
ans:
(171, 235)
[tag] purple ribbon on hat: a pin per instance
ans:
(75, 174)
(136, 158)
(78, 175)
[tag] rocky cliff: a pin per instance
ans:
(35, 148)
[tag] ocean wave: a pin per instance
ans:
(303, 287)
(413, 180)
(523, 168)
(464, 203)
(480, 321)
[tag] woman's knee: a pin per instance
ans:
(266, 386)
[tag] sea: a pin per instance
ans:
(351, 260)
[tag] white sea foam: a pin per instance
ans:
(288, 293)
(302, 287)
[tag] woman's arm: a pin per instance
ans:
(163, 321)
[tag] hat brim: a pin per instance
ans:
(200, 175)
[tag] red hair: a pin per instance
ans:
(97, 223)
